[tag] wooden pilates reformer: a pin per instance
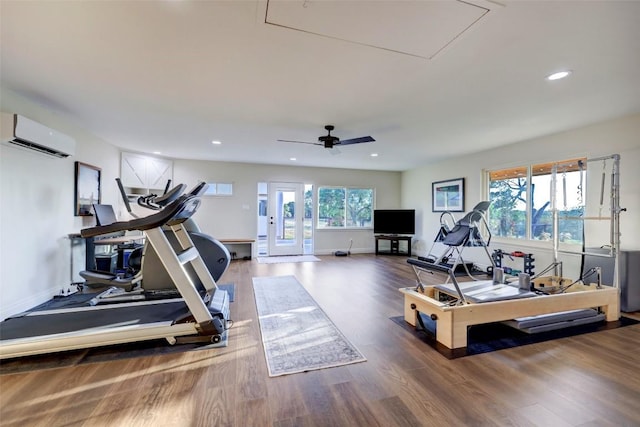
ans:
(455, 306)
(455, 313)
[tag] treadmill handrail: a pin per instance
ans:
(175, 213)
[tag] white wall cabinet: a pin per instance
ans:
(144, 172)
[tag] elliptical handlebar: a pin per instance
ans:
(125, 199)
(199, 189)
(155, 202)
(147, 202)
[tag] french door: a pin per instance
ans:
(286, 218)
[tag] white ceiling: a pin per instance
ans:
(427, 79)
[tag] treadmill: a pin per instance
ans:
(200, 315)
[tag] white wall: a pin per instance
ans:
(36, 209)
(236, 216)
(620, 136)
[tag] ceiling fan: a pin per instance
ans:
(329, 141)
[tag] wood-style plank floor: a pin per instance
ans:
(588, 380)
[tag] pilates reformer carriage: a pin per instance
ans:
(538, 303)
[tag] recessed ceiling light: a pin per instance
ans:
(215, 142)
(374, 154)
(559, 75)
(293, 159)
(157, 152)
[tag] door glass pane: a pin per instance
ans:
(308, 219)
(262, 219)
(285, 218)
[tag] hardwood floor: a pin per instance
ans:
(587, 380)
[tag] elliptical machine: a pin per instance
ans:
(147, 277)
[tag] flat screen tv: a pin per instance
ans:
(394, 221)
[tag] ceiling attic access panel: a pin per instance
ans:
(416, 28)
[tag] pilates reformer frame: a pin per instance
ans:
(454, 313)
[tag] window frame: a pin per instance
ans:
(212, 189)
(346, 193)
(544, 168)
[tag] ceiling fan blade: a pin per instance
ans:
(356, 140)
(300, 142)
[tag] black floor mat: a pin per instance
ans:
(497, 336)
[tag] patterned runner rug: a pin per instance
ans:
(296, 334)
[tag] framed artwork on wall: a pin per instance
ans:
(448, 195)
(87, 188)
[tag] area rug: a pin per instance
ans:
(106, 353)
(296, 334)
(291, 258)
(498, 336)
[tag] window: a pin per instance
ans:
(219, 189)
(522, 206)
(340, 207)
(508, 196)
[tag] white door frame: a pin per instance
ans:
(278, 243)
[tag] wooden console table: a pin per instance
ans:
(394, 245)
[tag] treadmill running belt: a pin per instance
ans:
(31, 326)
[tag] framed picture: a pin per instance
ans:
(87, 188)
(448, 195)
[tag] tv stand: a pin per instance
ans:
(394, 245)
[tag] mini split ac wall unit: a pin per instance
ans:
(19, 131)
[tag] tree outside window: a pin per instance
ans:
(508, 194)
(521, 201)
(340, 207)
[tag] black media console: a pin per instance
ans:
(394, 245)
